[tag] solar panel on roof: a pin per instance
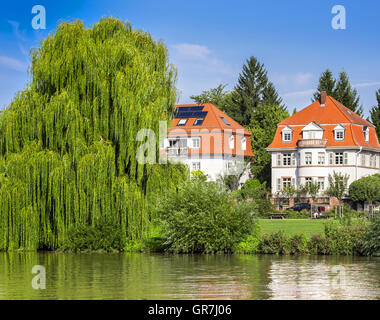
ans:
(190, 114)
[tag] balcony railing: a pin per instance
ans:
(176, 151)
(312, 143)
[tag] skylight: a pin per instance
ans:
(225, 121)
(198, 122)
(182, 122)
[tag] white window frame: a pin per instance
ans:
(339, 158)
(231, 141)
(196, 166)
(308, 161)
(195, 143)
(287, 136)
(286, 159)
(337, 135)
(321, 183)
(244, 143)
(321, 158)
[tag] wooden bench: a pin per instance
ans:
(278, 215)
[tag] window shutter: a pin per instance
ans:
(279, 159)
(293, 182)
(293, 159)
(278, 184)
(330, 158)
(345, 158)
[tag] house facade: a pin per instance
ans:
(206, 139)
(320, 139)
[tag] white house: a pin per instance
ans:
(206, 139)
(320, 139)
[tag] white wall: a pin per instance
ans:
(298, 172)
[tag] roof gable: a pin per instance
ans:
(312, 126)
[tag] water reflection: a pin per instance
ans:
(149, 276)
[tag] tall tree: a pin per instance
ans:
(263, 127)
(271, 96)
(68, 150)
(347, 95)
(248, 92)
(326, 83)
(340, 89)
(217, 95)
(375, 114)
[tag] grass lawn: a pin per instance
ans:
(291, 227)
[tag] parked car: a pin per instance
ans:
(300, 207)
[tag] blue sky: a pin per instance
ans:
(210, 40)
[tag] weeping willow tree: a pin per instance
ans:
(68, 141)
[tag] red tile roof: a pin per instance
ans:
(328, 117)
(213, 125)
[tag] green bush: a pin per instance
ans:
(319, 244)
(344, 239)
(103, 237)
(298, 244)
(201, 217)
(370, 245)
(291, 214)
(274, 243)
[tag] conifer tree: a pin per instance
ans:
(375, 114)
(326, 83)
(347, 95)
(248, 93)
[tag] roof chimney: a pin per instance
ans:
(323, 98)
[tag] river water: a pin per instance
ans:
(155, 276)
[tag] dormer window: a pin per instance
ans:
(366, 133)
(339, 133)
(232, 141)
(287, 134)
(243, 143)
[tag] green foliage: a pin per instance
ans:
(202, 218)
(365, 189)
(252, 89)
(370, 245)
(375, 113)
(104, 236)
(337, 185)
(326, 83)
(68, 141)
(199, 174)
(274, 243)
(343, 239)
(218, 96)
(263, 126)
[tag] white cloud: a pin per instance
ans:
(298, 94)
(191, 51)
(366, 84)
(12, 63)
(298, 79)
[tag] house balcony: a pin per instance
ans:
(177, 151)
(311, 143)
